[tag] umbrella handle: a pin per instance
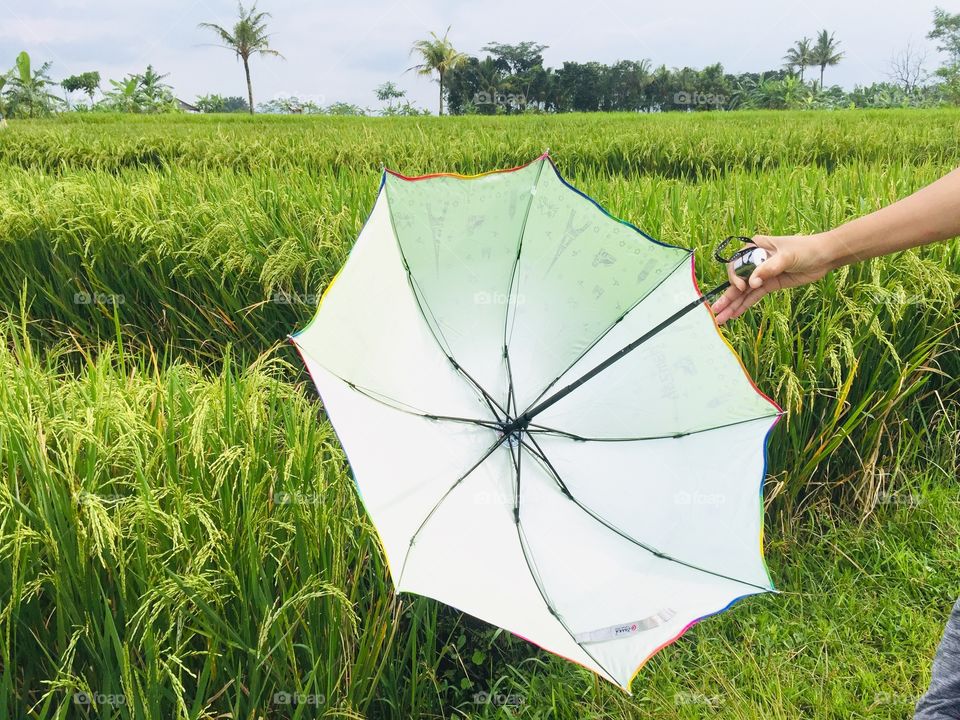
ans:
(745, 260)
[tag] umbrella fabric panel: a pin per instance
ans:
(402, 463)
(622, 513)
(683, 379)
(459, 238)
(579, 271)
(369, 331)
(696, 498)
(595, 579)
(469, 555)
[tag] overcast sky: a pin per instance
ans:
(341, 51)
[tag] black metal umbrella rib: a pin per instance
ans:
(537, 451)
(516, 453)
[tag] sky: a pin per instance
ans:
(341, 51)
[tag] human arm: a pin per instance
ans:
(928, 215)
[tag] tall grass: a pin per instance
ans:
(692, 146)
(187, 261)
(177, 523)
(165, 534)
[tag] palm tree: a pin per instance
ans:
(825, 52)
(28, 94)
(799, 56)
(248, 37)
(438, 56)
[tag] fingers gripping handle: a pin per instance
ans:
(745, 260)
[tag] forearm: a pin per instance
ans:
(929, 215)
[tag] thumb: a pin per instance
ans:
(775, 264)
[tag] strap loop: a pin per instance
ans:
(739, 253)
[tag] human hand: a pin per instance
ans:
(792, 260)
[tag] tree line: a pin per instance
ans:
(510, 79)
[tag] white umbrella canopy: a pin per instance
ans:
(543, 421)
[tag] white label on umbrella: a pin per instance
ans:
(614, 632)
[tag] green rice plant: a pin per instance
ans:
(200, 260)
(177, 525)
(677, 145)
(189, 544)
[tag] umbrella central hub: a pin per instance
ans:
(514, 427)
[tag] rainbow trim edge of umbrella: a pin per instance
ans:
(780, 412)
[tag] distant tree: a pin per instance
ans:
(906, 68)
(88, 82)
(248, 37)
(799, 57)
(396, 101)
(438, 56)
(387, 93)
(517, 59)
(28, 94)
(626, 84)
(344, 108)
(522, 82)
(221, 104)
(154, 94)
(474, 86)
(291, 105)
(122, 95)
(140, 93)
(580, 86)
(3, 105)
(946, 29)
(826, 52)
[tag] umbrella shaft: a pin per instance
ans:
(524, 419)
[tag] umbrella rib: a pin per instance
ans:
(434, 327)
(532, 411)
(543, 430)
(444, 348)
(535, 573)
(516, 259)
(511, 396)
(413, 538)
(612, 325)
(397, 404)
(663, 556)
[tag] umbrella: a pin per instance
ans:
(542, 419)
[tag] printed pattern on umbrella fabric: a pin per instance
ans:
(626, 509)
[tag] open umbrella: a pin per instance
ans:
(543, 421)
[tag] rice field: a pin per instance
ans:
(179, 533)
